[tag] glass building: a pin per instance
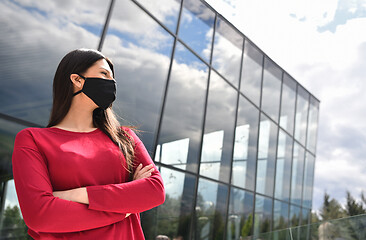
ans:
(234, 135)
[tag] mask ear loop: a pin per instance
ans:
(81, 89)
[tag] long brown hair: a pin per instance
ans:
(78, 61)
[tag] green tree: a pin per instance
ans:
(331, 209)
(13, 224)
(352, 207)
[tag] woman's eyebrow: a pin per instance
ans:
(106, 70)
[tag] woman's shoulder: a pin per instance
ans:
(131, 132)
(25, 137)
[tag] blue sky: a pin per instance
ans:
(322, 44)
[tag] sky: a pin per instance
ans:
(322, 44)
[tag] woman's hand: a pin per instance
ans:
(143, 172)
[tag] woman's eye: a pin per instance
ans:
(104, 73)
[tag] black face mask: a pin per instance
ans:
(101, 91)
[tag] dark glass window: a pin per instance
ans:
(141, 50)
(218, 138)
(181, 128)
(174, 217)
(308, 180)
(280, 215)
(34, 38)
(313, 125)
(166, 11)
(227, 51)
(266, 156)
(210, 210)
(245, 147)
(251, 77)
(297, 173)
(196, 27)
(288, 104)
(305, 216)
(294, 216)
(302, 107)
(271, 89)
(262, 214)
(283, 166)
(240, 219)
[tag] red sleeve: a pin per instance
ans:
(130, 197)
(42, 211)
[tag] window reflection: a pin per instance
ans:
(39, 34)
(251, 77)
(283, 166)
(288, 104)
(280, 215)
(266, 156)
(271, 89)
(240, 219)
(297, 173)
(302, 106)
(210, 210)
(196, 27)
(166, 11)
(294, 216)
(308, 180)
(245, 146)
(184, 108)
(227, 51)
(313, 125)
(140, 49)
(219, 130)
(262, 214)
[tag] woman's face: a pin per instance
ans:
(100, 69)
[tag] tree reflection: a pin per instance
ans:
(13, 226)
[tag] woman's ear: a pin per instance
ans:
(76, 80)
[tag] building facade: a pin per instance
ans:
(234, 135)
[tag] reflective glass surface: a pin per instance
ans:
(312, 125)
(227, 51)
(35, 35)
(307, 195)
(196, 27)
(174, 217)
(283, 166)
(297, 173)
(294, 216)
(266, 156)
(280, 215)
(271, 89)
(251, 77)
(219, 130)
(288, 104)
(302, 106)
(240, 219)
(210, 210)
(245, 146)
(140, 49)
(166, 11)
(305, 216)
(262, 214)
(184, 107)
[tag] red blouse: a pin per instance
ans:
(51, 159)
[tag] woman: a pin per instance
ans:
(84, 176)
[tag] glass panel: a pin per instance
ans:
(302, 106)
(196, 27)
(305, 229)
(240, 214)
(245, 146)
(174, 217)
(141, 51)
(34, 38)
(313, 125)
(308, 181)
(210, 210)
(271, 89)
(266, 156)
(283, 166)
(166, 11)
(184, 108)
(305, 216)
(227, 51)
(219, 130)
(262, 215)
(288, 104)
(280, 215)
(294, 216)
(297, 173)
(251, 77)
